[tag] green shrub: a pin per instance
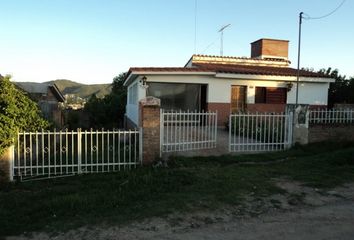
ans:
(17, 113)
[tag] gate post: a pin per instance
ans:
(79, 148)
(300, 123)
(6, 165)
(150, 123)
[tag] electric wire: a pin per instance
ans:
(195, 26)
(211, 44)
(308, 17)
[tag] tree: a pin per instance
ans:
(108, 112)
(119, 96)
(17, 113)
(342, 90)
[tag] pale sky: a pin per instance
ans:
(91, 41)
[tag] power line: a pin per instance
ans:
(308, 17)
(195, 26)
(211, 44)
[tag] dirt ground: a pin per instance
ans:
(301, 213)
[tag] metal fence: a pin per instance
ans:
(260, 132)
(58, 153)
(183, 131)
(325, 116)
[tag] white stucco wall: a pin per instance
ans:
(219, 89)
(132, 109)
(310, 93)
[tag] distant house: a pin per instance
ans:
(48, 97)
(263, 82)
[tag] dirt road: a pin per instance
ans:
(317, 215)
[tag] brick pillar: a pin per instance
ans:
(6, 161)
(150, 122)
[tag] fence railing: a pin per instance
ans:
(254, 132)
(325, 116)
(58, 153)
(183, 131)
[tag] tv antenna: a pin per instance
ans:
(221, 31)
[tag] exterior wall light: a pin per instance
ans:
(289, 86)
(143, 82)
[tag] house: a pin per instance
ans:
(264, 82)
(49, 99)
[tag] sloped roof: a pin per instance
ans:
(257, 70)
(41, 88)
(232, 69)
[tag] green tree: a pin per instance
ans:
(342, 90)
(17, 113)
(108, 112)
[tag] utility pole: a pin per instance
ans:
(298, 61)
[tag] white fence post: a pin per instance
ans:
(11, 163)
(161, 131)
(79, 151)
(290, 129)
(141, 145)
(230, 130)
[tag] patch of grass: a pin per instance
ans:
(187, 184)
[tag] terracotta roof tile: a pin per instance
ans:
(257, 70)
(232, 69)
(244, 58)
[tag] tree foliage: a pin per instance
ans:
(108, 112)
(342, 90)
(17, 113)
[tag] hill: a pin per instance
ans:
(82, 90)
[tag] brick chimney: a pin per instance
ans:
(270, 49)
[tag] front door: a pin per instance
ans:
(238, 98)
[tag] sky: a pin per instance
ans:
(91, 41)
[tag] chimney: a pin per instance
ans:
(270, 49)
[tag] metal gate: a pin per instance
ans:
(260, 132)
(183, 131)
(60, 153)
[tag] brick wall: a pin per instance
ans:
(150, 122)
(318, 133)
(270, 47)
(223, 111)
(264, 107)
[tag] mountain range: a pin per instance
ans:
(82, 90)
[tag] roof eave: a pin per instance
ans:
(134, 74)
(57, 93)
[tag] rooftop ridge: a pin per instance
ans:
(212, 59)
(243, 58)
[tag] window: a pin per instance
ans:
(270, 95)
(178, 96)
(133, 94)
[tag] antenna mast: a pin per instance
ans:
(221, 31)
